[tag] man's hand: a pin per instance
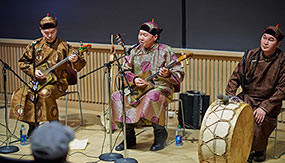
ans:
(140, 82)
(73, 58)
(164, 72)
(39, 74)
(259, 115)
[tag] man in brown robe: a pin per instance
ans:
(48, 49)
(261, 74)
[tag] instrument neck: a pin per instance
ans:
(56, 65)
(154, 75)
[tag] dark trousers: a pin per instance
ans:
(262, 133)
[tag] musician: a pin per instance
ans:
(263, 86)
(151, 56)
(48, 49)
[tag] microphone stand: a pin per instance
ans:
(108, 156)
(123, 76)
(35, 84)
(8, 148)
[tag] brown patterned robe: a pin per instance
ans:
(22, 107)
(265, 89)
(152, 105)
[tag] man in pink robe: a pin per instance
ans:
(149, 56)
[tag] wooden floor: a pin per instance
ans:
(93, 131)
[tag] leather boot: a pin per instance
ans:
(250, 157)
(160, 136)
(259, 156)
(32, 127)
(130, 136)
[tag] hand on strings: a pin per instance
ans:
(73, 58)
(39, 74)
(259, 115)
(164, 72)
(140, 82)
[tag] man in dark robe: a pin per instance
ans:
(261, 74)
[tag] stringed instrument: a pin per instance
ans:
(105, 116)
(138, 92)
(47, 70)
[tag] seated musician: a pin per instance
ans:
(48, 49)
(261, 74)
(148, 56)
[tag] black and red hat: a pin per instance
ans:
(275, 32)
(151, 28)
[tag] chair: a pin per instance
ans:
(176, 112)
(276, 134)
(71, 81)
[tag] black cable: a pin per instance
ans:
(13, 134)
(104, 139)
(78, 152)
(1, 124)
(22, 155)
(104, 115)
(116, 139)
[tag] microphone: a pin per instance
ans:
(133, 46)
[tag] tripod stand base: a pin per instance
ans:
(126, 160)
(9, 149)
(110, 156)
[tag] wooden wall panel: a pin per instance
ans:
(207, 71)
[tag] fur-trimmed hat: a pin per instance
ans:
(275, 32)
(151, 28)
(48, 22)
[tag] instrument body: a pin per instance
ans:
(226, 132)
(140, 91)
(44, 68)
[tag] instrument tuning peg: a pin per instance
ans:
(182, 51)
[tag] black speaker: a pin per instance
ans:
(195, 105)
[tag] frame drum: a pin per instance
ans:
(226, 132)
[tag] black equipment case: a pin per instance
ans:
(195, 105)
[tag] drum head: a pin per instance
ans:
(226, 133)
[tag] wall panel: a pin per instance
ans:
(207, 71)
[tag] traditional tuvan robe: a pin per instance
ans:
(264, 87)
(152, 105)
(22, 107)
